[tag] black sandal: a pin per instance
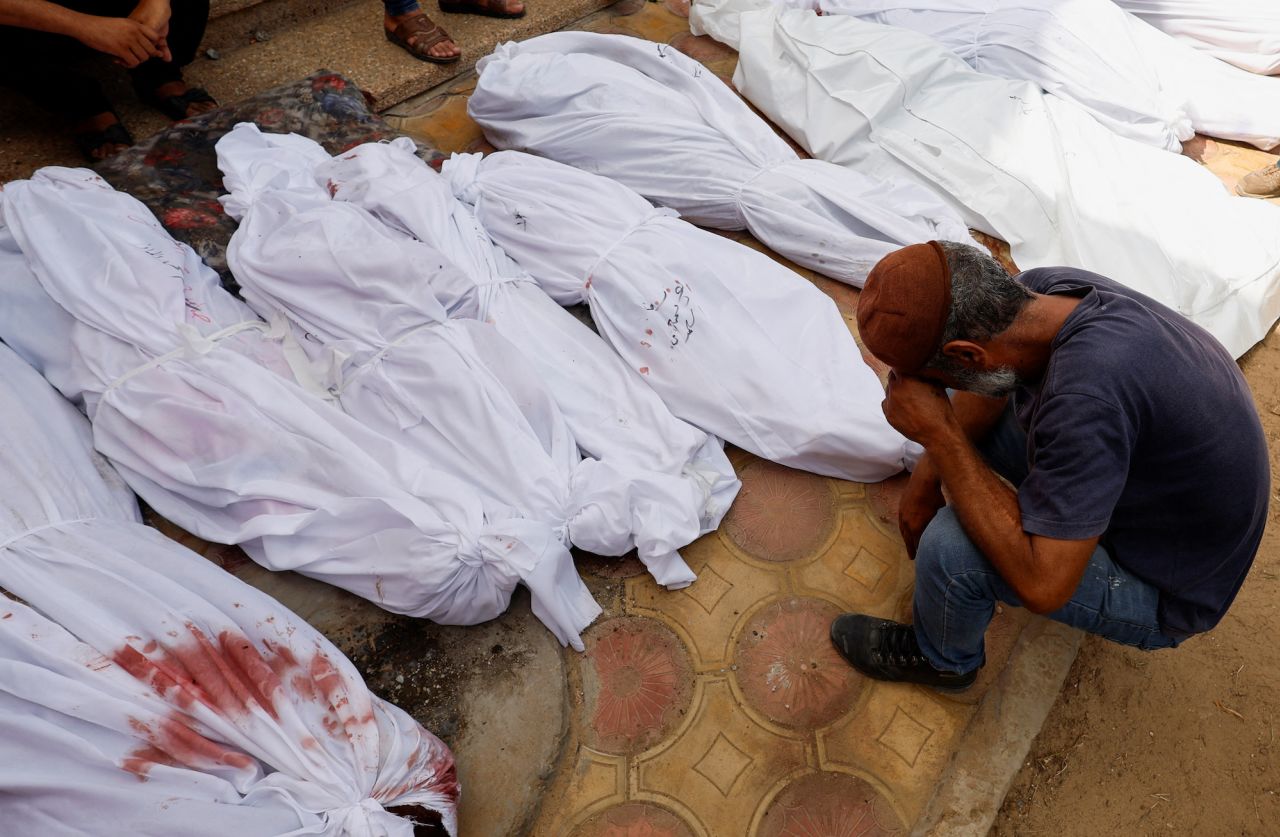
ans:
(90, 142)
(175, 107)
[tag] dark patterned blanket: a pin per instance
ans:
(175, 172)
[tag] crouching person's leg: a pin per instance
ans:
(955, 597)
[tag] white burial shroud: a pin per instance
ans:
(1027, 167)
(680, 479)
(358, 296)
(659, 122)
(1136, 80)
(1079, 50)
(1245, 33)
(734, 342)
(144, 687)
(194, 400)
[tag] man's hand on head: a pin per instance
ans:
(919, 409)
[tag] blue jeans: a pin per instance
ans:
(957, 587)
(400, 7)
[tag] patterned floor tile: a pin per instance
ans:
(705, 613)
(636, 683)
(634, 819)
(830, 805)
(781, 514)
(722, 764)
(787, 669)
(903, 736)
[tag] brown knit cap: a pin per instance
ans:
(904, 306)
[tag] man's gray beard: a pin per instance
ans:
(994, 384)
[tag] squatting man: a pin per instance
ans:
(1138, 466)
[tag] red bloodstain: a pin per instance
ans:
(588, 285)
(649, 331)
(303, 687)
(177, 745)
(310, 743)
(228, 677)
(646, 344)
(7, 616)
(644, 370)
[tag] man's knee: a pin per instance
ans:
(945, 549)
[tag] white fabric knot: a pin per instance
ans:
(461, 172)
(367, 818)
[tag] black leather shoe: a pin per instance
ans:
(887, 650)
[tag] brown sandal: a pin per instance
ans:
(425, 34)
(486, 8)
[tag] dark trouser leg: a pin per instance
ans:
(957, 587)
(395, 8)
(186, 29)
(43, 67)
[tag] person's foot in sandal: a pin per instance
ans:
(422, 38)
(178, 101)
(487, 8)
(101, 136)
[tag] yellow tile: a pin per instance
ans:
(903, 736)
(864, 569)
(447, 128)
(707, 613)
(723, 766)
(597, 780)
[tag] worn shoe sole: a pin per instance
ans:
(1267, 197)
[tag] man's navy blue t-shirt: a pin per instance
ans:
(1143, 431)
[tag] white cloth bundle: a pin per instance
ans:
(1030, 168)
(1079, 50)
(1222, 100)
(1136, 80)
(1245, 33)
(455, 391)
(197, 405)
(659, 122)
(145, 691)
(679, 479)
(734, 342)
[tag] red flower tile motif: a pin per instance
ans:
(788, 670)
(780, 514)
(830, 805)
(634, 819)
(637, 682)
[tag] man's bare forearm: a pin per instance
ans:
(976, 414)
(42, 16)
(987, 508)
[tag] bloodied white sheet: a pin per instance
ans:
(146, 691)
(662, 124)
(733, 341)
(209, 416)
(1030, 168)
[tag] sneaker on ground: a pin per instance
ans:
(887, 650)
(1263, 183)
